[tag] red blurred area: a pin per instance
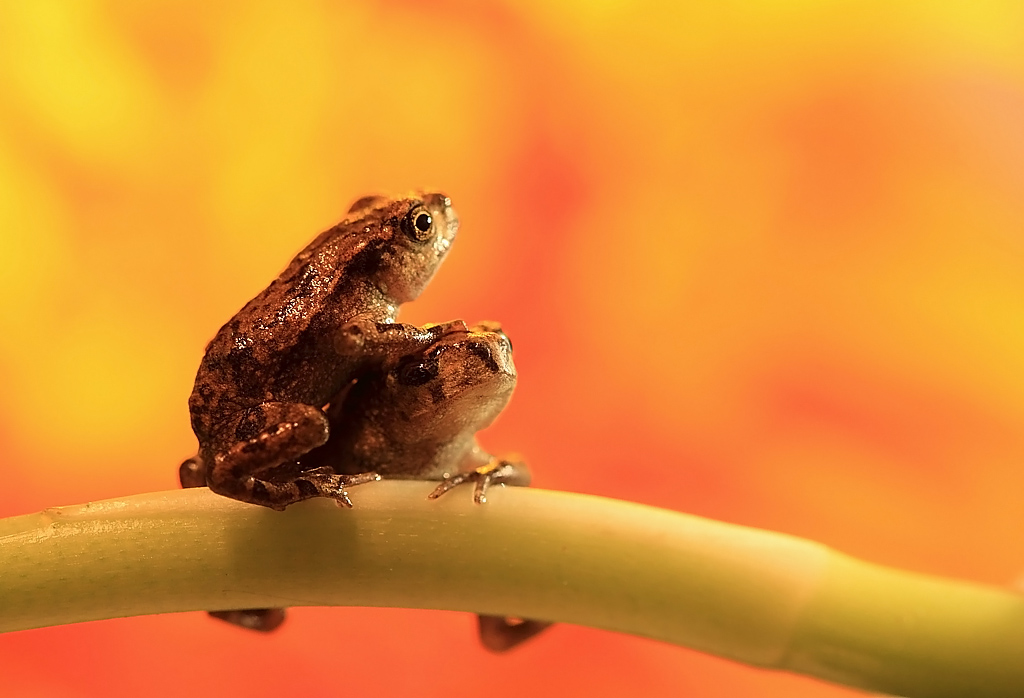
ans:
(762, 264)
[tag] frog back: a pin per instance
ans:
(279, 346)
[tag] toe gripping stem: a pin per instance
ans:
(496, 471)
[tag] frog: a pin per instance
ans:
(417, 417)
(330, 316)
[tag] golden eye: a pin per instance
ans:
(418, 224)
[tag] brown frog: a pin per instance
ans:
(327, 319)
(416, 417)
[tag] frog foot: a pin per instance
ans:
(321, 482)
(192, 472)
(261, 619)
(500, 634)
(494, 472)
(327, 483)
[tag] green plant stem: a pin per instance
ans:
(754, 596)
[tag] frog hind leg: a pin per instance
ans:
(192, 473)
(195, 473)
(243, 465)
(500, 634)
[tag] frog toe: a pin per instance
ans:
(318, 483)
(260, 619)
(500, 634)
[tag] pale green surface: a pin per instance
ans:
(749, 595)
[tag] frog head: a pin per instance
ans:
(458, 385)
(406, 240)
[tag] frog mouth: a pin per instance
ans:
(483, 352)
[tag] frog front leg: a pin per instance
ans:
(373, 341)
(495, 471)
(250, 458)
(497, 633)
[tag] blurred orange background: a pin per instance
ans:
(762, 262)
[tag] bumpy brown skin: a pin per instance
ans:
(416, 417)
(327, 319)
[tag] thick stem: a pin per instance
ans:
(753, 596)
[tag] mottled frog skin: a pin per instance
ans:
(417, 417)
(401, 401)
(327, 319)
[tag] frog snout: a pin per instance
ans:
(440, 205)
(437, 200)
(494, 352)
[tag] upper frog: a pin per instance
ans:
(327, 318)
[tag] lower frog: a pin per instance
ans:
(417, 418)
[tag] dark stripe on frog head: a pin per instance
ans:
(437, 394)
(483, 352)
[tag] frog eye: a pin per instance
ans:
(418, 224)
(413, 372)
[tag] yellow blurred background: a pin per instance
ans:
(761, 262)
